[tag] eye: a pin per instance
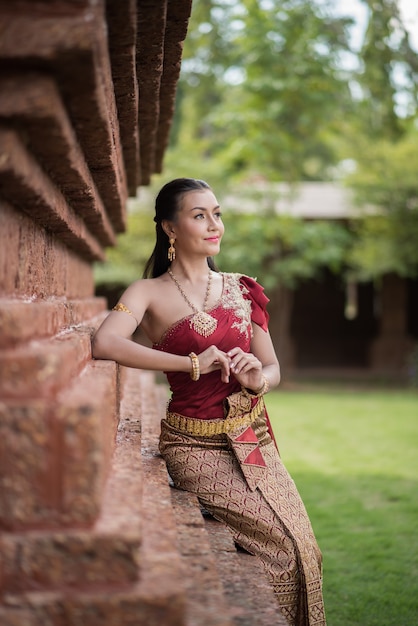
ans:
(199, 216)
(218, 215)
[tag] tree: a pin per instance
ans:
(282, 250)
(388, 74)
(261, 91)
(383, 146)
(387, 236)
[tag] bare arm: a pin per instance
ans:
(113, 341)
(251, 368)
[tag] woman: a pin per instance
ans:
(210, 336)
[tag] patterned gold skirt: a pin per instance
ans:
(240, 479)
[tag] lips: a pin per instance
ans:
(212, 239)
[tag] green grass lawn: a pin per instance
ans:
(353, 456)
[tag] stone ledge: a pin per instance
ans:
(72, 45)
(40, 369)
(24, 320)
(247, 590)
(23, 183)
(55, 453)
(33, 103)
(207, 605)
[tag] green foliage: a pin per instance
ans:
(386, 178)
(264, 95)
(281, 250)
(388, 72)
(260, 88)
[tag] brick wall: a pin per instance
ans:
(87, 93)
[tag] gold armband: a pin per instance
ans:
(124, 309)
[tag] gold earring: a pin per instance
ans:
(171, 250)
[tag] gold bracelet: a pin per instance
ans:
(195, 373)
(263, 389)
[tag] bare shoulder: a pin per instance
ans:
(143, 294)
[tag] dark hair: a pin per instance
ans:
(167, 204)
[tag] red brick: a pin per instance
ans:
(83, 311)
(121, 20)
(78, 34)
(163, 604)
(87, 415)
(34, 263)
(176, 29)
(25, 184)
(56, 452)
(40, 369)
(25, 320)
(78, 559)
(29, 492)
(33, 102)
(151, 26)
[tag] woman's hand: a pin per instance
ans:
(247, 369)
(214, 359)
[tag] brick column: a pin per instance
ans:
(71, 127)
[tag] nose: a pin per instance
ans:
(212, 225)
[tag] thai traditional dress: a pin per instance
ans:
(218, 444)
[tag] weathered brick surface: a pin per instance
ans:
(25, 320)
(89, 533)
(87, 415)
(42, 368)
(121, 20)
(176, 28)
(77, 33)
(55, 453)
(35, 263)
(136, 508)
(250, 597)
(68, 559)
(33, 104)
(28, 466)
(23, 182)
(206, 602)
(151, 26)
(140, 606)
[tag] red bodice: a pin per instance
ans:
(243, 301)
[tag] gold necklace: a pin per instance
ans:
(201, 322)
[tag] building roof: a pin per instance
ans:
(307, 200)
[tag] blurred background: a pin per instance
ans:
(302, 115)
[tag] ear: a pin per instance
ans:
(168, 228)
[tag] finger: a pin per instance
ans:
(234, 351)
(225, 371)
(243, 362)
(222, 362)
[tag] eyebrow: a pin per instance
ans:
(202, 208)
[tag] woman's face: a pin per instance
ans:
(198, 227)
